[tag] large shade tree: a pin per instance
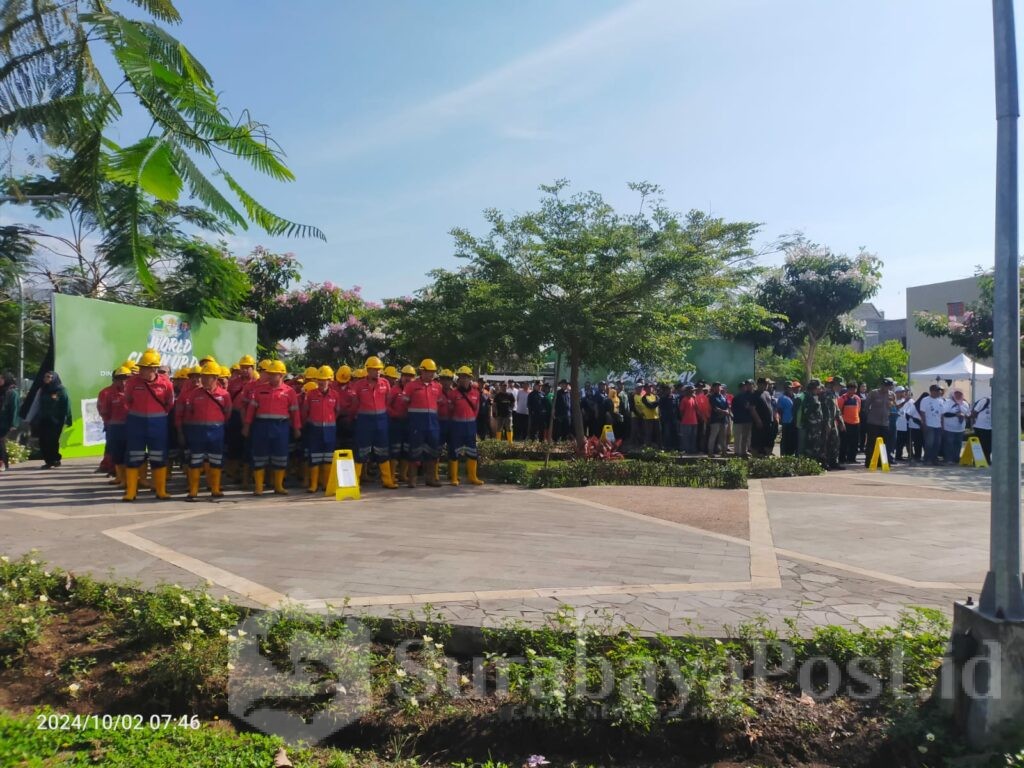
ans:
(811, 297)
(69, 71)
(602, 286)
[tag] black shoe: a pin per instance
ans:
(836, 466)
(57, 464)
(47, 466)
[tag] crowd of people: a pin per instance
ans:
(249, 418)
(835, 422)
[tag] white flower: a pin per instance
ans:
(930, 736)
(182, 619)
(4, 559)
(413, 702)
(224, 598)
(438, 646)
(176, 623)
(428, 639)
(530, 652)
(209, 583)
(183, 600)
(43, 599)
(136, 611)
(437, 665)
(231, 638)
(222, 632)
(128, 600)
(194, 623)
(186, 646)
(242, 633)
(74, 688)
(400, 673)
(32, 562)
(463, 680)
(923, 749)
(27, 620)
(230, 666)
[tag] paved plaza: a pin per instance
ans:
(847, 548)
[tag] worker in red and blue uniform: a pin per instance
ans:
(149, 398)
(398, 427)
(444, 417)
(241, 402)
(200, 420)
(272, 412)
(463, 406)
(370, 398)
(234, 444)
(423, 394)
(319, 411)
(112, 409)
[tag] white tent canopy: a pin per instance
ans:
(959, 368)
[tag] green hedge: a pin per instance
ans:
(699, 474)
(533, 450)
(513, 471)
(782, 466)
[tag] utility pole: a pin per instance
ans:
(1002, 596)
(21, 336)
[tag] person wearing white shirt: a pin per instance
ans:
(912, 419)
(902, 435)
(954, 424)
(521, 417)
(981, 416)
(931, 409)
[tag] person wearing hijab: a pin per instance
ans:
(53, 415)
(9, 397)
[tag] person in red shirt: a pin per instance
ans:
(463, 405)
(272, 408)
(398, 427)
(200, 419)
(423, 394)
(688, 420)
(370, 399)
(320, 408)
(149, 398)
(111, 406)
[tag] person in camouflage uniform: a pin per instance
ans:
(813, 430)
(833, 422)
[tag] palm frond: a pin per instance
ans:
(267, 220)
(159, 9)
(203, 190)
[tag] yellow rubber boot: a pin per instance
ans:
(359, 473)
(258, 475)
(314, 479)
(144, 476)
(453, 473)
(387, 477)
(437, 472)
(430, 474)
(213, 479)
(118, 476)
(279, 482)
(403, 471)
(394, 469)
(471, 467)
(131, 483)
(160, 482)
(192, 473)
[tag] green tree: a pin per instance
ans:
(605, 287)
(972, 332)
(58, 60)
(811, 295)
(885, 360)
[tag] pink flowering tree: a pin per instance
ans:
(971, 331)
(811, 296)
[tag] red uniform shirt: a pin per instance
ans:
(398, 406)
(463, 405)
(444, 404)
(370, 396)
(199, 406)
(422, 396)
(149, 398)
(688, 411)
(111, 405)
(703, 406)
(240, 402)
(320, 409)
(274, 403)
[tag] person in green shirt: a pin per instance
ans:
(53, 415)
(9, 402)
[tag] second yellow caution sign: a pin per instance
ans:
(343, 483)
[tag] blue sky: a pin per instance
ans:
(866, 123)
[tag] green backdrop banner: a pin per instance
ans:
(91, 337)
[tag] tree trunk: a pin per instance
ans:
(577, 415)
(809, 355)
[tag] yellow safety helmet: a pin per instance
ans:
(122, 371)
(446, 373)
(309, 373)
(391, 372)
(344, 375)
(265, 364)
(210, 368)
(428, 365)
(408, 369)
(236, 368)
(195, 371)
(359, 373)
(325, 373)
(225, 372)
(309, 386)
(181, 373)
(207, 359)
(277, 366)
(373, 362)
(134, 368)
(246, 360)
(464, 371)
(150, 359)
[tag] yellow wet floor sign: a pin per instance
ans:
(879, 456)
(607, 434)
(343, 483)
(973, 455)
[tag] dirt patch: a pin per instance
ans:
(860, 486)
(718, 511)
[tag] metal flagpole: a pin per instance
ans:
(1002, 595)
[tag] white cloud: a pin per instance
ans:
(507, 98)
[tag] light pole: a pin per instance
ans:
(1002, 596)
(21, 336)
